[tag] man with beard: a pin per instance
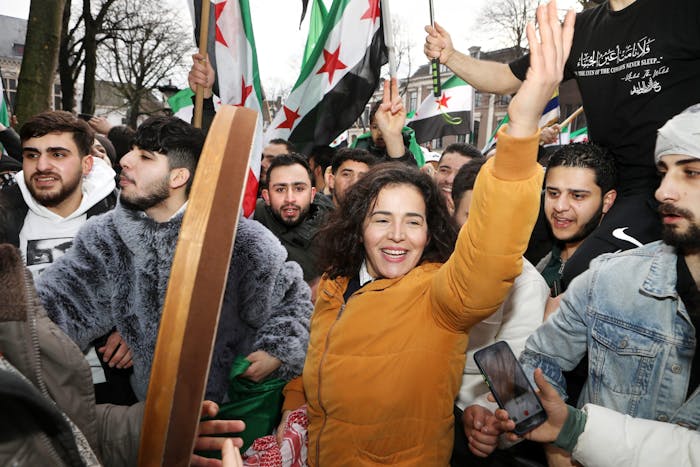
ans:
(293, 211)
(636, 64)
(59, 188)
(61, 185)
(116, 273)
(579, 190)
(637, 313)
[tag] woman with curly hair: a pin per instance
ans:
(389, 330)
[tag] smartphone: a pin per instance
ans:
(510, 387)
(85, 117)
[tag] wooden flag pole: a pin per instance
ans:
(389, 37)
(571, 117)
(203, 44)
(195, 291)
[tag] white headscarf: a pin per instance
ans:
(680, 135)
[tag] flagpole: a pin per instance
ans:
(389, 37)
(435, 63)
(571, 117)
(203, 38)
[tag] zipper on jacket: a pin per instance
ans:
(36, 363)
(320, 401)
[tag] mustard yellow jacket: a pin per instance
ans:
(382, 370)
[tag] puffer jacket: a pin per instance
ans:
(56, 380)
(382, 370)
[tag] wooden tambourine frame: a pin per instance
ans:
(195, 291)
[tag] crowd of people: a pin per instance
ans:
(366, 284)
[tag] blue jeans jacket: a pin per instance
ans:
(625, 312)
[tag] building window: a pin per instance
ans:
(413, 103)
(10, 87)
(436, 143)
(461, 138)
(57, 97)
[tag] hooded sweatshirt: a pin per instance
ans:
(45, 235)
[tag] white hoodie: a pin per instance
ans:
(45, 235)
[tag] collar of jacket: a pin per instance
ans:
(145, 237)
(334, 289)
(301, 234)
(661, 278)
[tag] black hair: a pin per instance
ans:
(59, 121)
(287, 144)
(467, 150)
(122, 138)
(465, 178)
(341, 250)
(285, 160)
(587, 156)
(178, 140)
(352, 154)
(322, 156)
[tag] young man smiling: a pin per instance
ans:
(579, 190)
(637, 313)
(452, 159)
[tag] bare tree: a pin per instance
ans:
(146, 46)
(40, 56)
(508, 19)
(84, 29)
(403, 46)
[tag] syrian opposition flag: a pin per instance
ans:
(449, 114)
(550, 115)
(337, 79)
(231, 51)
(578, 136)
(181, 104)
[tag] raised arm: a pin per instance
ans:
(505, 203)
(484, 75)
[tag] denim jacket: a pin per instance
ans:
(625, 312)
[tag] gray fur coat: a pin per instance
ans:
(116, 274)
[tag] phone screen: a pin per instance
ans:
(510, 386)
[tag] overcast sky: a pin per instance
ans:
(280, 42)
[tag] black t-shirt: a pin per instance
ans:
(636, 68)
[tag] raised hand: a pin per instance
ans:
(548, 55)
(438, 43)
(202, 74)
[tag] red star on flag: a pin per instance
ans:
(372, 11)
(218, 9)
(332, 63)
(290, 116)
(245, 92)
(442, 102)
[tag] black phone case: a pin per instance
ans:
(534, 420)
